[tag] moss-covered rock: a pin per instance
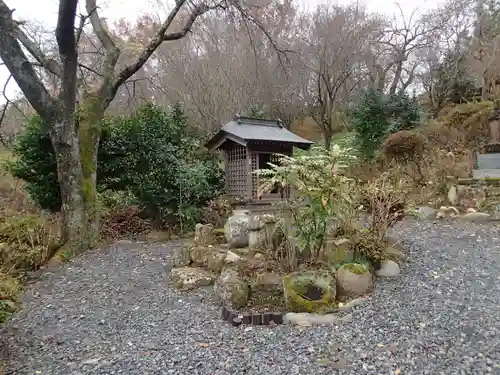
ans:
(231, 288)
(211, 257)
(182, 256)
(244, 251)
(187, 278)
(310, 291)
(355, 268)
(353, 280)
(267, 288)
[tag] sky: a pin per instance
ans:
(113, 10)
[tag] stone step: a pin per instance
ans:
(488, 161)
(486, 173)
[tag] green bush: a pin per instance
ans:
(149, 155)
(36, 164)
(376, 115)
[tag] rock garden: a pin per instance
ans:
(310, 261)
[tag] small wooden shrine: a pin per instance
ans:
(249, 144)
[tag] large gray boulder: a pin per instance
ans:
(426, 213)
(267, 288)
(182, 256)
(353, 280)
(478, 217)
(388, 268)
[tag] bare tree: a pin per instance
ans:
(75, 144)
(392, 59)
(334, 43)
(223, 67)
(485, 45)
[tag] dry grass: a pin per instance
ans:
(461, 127)
(28, 237)
(12, 194)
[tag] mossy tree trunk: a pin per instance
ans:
(89, 132)
(70, 176)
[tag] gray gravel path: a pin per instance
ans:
(114, 312)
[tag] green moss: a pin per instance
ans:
(296, 286)
(355, 268)
(89, 129)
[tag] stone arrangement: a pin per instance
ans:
(239, 266)
(475, 200)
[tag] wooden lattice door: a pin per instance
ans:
(236, 172)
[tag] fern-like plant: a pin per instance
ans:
(321, 195)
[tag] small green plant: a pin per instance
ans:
(384, 199)
(323, 196)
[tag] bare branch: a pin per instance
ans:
(159, 38)
(4, 111)
(91, 70)
(66, 41)
(83, 20)
(99, 26)
(48, 63)
(8, 103)
(21, 69)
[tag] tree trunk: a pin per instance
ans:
(89, 131)
(69, 172)
(397, 75)
(485, 86)
(328, 134)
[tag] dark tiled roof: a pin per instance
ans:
(251, 129)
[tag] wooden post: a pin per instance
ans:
(226, 184)
(249, 172)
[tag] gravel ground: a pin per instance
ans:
(114, 312)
